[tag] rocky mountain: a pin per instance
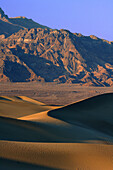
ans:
(56, 56)
(9, 26)
(3, 16)
(26, 23)
(6, 27)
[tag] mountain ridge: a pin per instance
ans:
(59, 56)
(47, 55)
(14, 24)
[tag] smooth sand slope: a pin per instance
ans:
(59, 156)
(18, 106)
(77, 136)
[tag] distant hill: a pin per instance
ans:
(56, 56)
(25, 22)
(9, 26)
(6, 27)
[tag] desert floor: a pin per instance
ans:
(52, 93)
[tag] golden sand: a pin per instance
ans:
(77, 136)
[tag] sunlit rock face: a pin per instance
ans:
(57, 56)
(43, 54)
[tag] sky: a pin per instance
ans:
(88, 17)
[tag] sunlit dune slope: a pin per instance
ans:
(95, 113)
(19, 106)
(59, 156)
(27, 99)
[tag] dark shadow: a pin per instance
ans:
(16, 72)
(2, 98)
(7, 164)
(40, 66)
(93, 113)
(95, 50)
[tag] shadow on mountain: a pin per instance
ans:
(40, 66)
(16, 72)
(7, 28)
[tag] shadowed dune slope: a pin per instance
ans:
(48, 131)
(95, 112)
(8, 164)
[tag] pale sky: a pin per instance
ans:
(88, 17)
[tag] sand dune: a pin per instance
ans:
(19, 106)
(27, 99)
(77, 136)
(48, 131)
(95, 112)
(59, 156)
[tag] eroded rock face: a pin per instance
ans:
(57, 56)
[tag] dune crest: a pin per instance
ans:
(18, 106)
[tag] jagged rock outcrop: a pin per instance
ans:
(56, 56)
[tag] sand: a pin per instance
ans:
(59, 155)
(76, 136)
(19, 106)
